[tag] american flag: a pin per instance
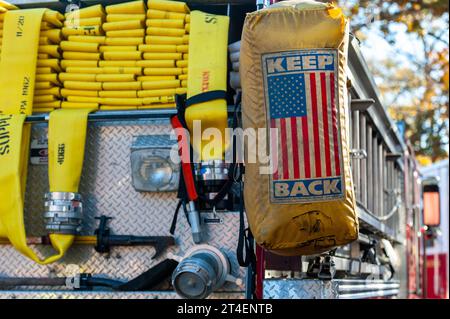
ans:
(302, 107)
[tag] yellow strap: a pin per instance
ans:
(207, 65)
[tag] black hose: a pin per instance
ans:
(151, 277)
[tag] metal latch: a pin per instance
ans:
(358, 153)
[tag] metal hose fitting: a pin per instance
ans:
(63, 213)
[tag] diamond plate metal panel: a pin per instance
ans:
(299, 289)
(105, 295)
(107, 190)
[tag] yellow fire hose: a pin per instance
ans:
(121, 57)
(207, 62)
(17, 77)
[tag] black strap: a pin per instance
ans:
(175, 218)
(205, 97)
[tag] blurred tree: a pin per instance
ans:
(416, 91)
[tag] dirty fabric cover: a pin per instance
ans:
(292, 65)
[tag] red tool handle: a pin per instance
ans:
(183, 144)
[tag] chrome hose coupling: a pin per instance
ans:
(63, 213)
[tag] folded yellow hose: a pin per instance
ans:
(134, 7)
(162, 84)
(47, 105)
(74, 22)
(83, 70)
(79, 46)
(187, 27)
(122, 70)
(115, 77)
(81, 56)
(125, 17)
(83, 99)
(117, 107)
(161, 92)
(88, 38)
(149, 78)
(116, 86)
(183, 48)
(126, 33)
(122, 63)
(157, 106)
(53, 35)
(152, 39)
(120, 48)
(127, 55)
(44, 70)
(44, 98)
(156, 63)
(182, 63)
(162, 71)
(105, 70)
(18, 62)
(124, 41)
(165, 32)
(163, 48)
(158, 100)
(186, 38)
(38, 110)
(184, 83)
(79, 63)
(165, 23)
(118, 94)
(162, 56)
(82, 30)
(165, 5)
(121, 101)
(69, 92)
(52, 78)
(43, 85)
(63, 77)
(187, 18)
(53, 17)
(161, 14)
(88, 12)
(183, 76)
(52, 50)
(52, 91)
(42, 40)
(78, 105)
(122, 25)
(51, 63)
(77, 85)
